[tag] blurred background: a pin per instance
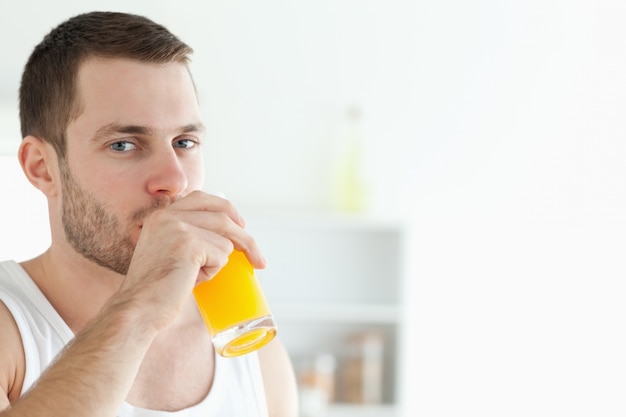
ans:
(440, 188)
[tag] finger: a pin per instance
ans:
(224, 219)
(253, 253)
(201, 201)
(217, 249)
(221, 224)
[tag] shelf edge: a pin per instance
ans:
(347, 313)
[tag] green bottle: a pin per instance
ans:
(350, 189)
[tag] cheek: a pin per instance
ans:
(118, 195)
(100, 179)
(113, 189)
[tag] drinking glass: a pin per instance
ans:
(234, 308)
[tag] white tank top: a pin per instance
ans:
(237, 385)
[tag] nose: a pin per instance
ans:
(166, 174)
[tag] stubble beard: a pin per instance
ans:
(91, 229)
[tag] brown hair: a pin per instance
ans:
(48, 91)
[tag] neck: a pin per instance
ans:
(76, 287)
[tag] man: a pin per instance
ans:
(103, 323)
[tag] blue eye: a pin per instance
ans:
(123, 146)
(184, 143)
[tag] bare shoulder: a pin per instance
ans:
(279, 380)
(12, 361)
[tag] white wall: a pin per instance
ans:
(274, 79)
(518, 196)
(496, 126)
(24, 226)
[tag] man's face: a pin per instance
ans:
(135, 147)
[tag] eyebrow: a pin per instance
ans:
(115, 128)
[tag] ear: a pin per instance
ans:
(39, 163)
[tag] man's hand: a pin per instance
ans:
(180, 245)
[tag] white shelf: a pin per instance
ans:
(334, 282)
(343, 313)
(327, 220)
(349, 410)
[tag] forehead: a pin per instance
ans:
(125, 91)
(101, 75)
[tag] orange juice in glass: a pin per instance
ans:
(234, 308)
